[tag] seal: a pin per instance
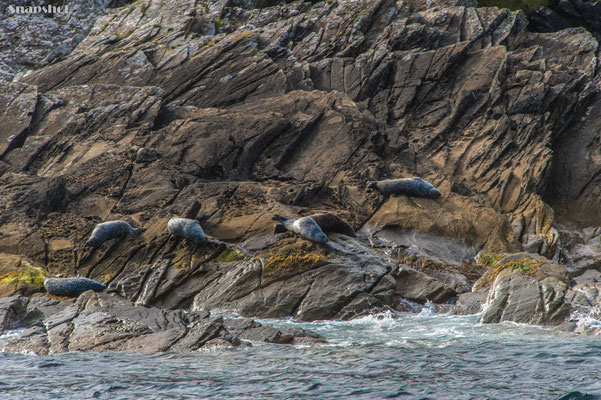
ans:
(186, 228)
(328, 222)
(304, 227)
(71, 287)
(416, 187)
(110, 230)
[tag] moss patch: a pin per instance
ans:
(526, 266)
(427, 265)
(19, 276)
(27, 274)
(230, 255)
(292, 263)
(488, 259)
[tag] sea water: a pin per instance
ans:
(388, 356)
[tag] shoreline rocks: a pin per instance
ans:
(226, 114)
(100, 321)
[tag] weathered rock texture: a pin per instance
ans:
(98, 321)
(230, 111)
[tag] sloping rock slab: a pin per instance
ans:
(100, 321)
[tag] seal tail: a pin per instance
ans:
(137, 231)
(277, 217)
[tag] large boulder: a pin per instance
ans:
(527, 289)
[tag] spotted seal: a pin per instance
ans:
(304, 227)
(187, 228)
(71, 287)
(328, 222)
(416, 187)
(110, 230)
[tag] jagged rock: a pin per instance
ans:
(534, 265)
(419, 287)
(245, 109)
(295, 279)
(39, 39)
(562, 14)
(99, 321)
(470, 303)
(520, 298)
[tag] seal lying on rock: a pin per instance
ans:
(71, 287)
(110, 230)
(304, 227)
(416, 187)
(187, 228)
(328, 222)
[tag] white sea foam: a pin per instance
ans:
(586, 320)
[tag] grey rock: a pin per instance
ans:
(520, 298)
(416, 286)
(100, 321)
(470, 303)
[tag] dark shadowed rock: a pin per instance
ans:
(470, 303)
(419, 287)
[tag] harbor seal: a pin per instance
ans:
(71, 287)
(416, 187)
(110, 230)
(328, 222)
(187, 228)
(304, 227)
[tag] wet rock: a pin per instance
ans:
(235, 103)
(419, 287)
(517, 297)
(99, 321)
(470, 303)
(295, 279)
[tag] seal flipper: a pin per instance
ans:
(279, 228)
(277, 217)
(137, 231)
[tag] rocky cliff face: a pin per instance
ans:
(230, 111)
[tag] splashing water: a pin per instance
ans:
(420, 355)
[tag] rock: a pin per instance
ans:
(99, 321)
(419, 287)
(50, 37)
(234, 107)
(562, 14)
(520, 298)
(297, 279)
(533, 265)
(470, 303)
(589, 276)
